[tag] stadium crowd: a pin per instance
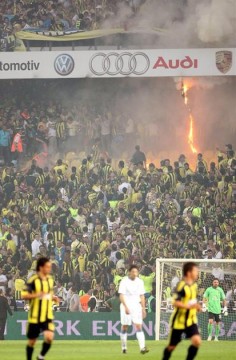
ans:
(94, 216)
(64, 15)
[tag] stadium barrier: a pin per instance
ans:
(106, 326)
(119, 63)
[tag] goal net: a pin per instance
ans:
(169, 273)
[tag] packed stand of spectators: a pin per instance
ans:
(93, 215)
(94, 220)
(63, 15)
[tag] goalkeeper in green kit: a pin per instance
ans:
(212, 299)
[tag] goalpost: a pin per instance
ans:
(168, 274)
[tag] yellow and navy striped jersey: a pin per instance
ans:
(92, 266)
(58, 236)
(67, 268)
(106, 172)
(187, 294)
(40, 180)
(61, 130)
(40, 308)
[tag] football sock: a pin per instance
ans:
(217, 332)
(166, 355)
(141, 339)
(210, 327)
(29, 352)
(192, 352)
(45, 348)
(123, 338)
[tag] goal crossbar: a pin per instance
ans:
(221, 261)
(159, 282)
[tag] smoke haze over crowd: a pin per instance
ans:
(155, 105)
(188, 23)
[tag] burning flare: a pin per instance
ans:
(184, 93)
(191, 120)
(190, 135)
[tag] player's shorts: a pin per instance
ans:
(135, 316)
(176, 334)
(216, 317)
(34, 330)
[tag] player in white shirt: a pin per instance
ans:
(132, 308)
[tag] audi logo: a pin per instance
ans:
(64, 64)
(124, 63)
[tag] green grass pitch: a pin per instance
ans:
(96, 350)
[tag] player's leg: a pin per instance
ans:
(125, 320)
(2, 328)
(30, 348)
(48, 335)
(210, 325)
(193, 348)
(137, 320)
(32, 335)
(123, 338)
(174, 340)
(141, 338)
(217, 329)
(192, 333)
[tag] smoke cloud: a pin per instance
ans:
(186, 23)
(189, 24)
(156, 105)
(216, 22)
(161, 120)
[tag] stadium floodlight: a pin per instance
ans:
(168, 274)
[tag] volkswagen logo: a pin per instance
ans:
(124, 63)
(64, 64)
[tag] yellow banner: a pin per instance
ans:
(62, 36)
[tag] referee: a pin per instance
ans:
(4, 309)
(39, 292)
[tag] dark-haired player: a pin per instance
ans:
(184, 317)
(39, 292)
(212, 299)
(132, 307)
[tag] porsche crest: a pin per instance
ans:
(224, 60)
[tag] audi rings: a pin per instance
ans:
(124, 63)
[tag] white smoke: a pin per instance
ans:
(216, 20)
(189, 23)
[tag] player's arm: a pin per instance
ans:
(222, 297)
(204, 304)
(178, 303)
(142, 299)
(181, 305)
(143, 304)
(224, 302)
(122, 300)
(29, 292)
(205, 300)
(122, 292)
(29, 296)
(56, 299)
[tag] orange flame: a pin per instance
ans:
(190, 135)
(191, 120)
(184, 93)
